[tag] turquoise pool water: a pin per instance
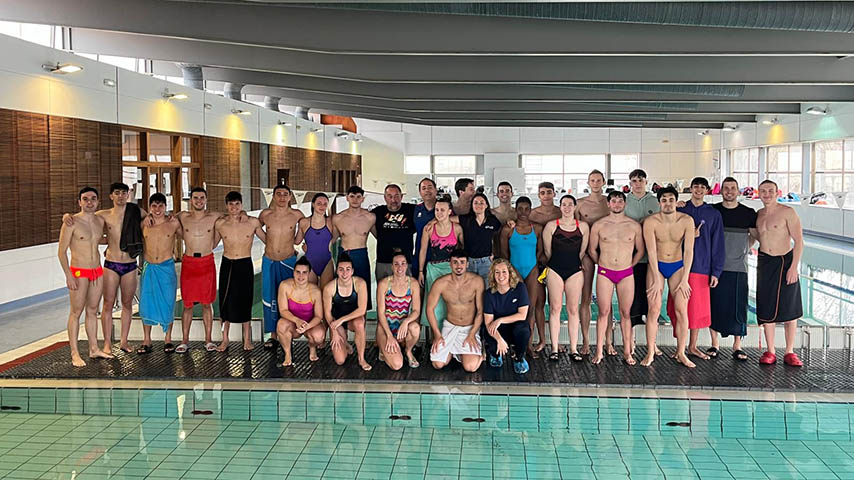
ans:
(79, 447)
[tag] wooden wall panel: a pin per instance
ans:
(220, 166)
(63, 171)
(9, 210)
(110, 155)
(311, 169)
(33, 185)
(255, 174)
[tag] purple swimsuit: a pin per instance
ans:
(317, 248)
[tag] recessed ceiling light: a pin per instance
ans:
(62, 68)
(817, 111)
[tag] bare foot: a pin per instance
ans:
(312, 354)
(647, 360)
(365, 365)
(108, 347)
(248, 347)
(222, 346)
(349, 349)
(99, 354)
(585, 349)
(598, 358)
(125, 348)
(697, 353)
(657, 352)
(683, 359)
(288, 361)
(629, 359)
(77, 361)
(539, 347)
(611, 350)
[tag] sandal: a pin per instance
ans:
(182, 348)
(792, 360)
(271, 343)
(414, 364)
(576, 357)
(126, 349)
(712, 352)
(143, 349)
(211, 347)
(554, 356)
(739, 355)
(168, 348)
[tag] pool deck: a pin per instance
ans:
(831, 375)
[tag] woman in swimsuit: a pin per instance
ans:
(565, 245)
(521, 244)
(345, 301)
(317, 232)
(398, 313)
(300, 312)
(440, 239)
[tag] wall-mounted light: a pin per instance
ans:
(772, 121)
(703, 133)
(299, 127)
(109, 82)
(817, 111)
(285, 124)
(342, 134)
(174, 96)
(62, 68)
(730, 128)
(237, 111)
(208, 106)
(316, 129)
(357, 139)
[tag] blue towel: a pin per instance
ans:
(273, 272)
(157, 293)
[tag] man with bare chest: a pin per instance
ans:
(590, 209)
(459, 338)
(198, 271)
(159, 281)
(778, 286)
(236, 269)
(124, 245)
(280, 222)
(84, 275)
(352, 226)
(504, 212)
(616, 245)
(547, 211)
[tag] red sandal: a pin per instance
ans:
(792, 360)
(768, 358)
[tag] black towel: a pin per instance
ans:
(131, 241)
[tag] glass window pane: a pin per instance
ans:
(36, 33)
(849, 156)
(849, 187)
(159, 148)
(446, 183)
(622, 165)
(777, 159)
(130, 146)
(794, 183)
(542, 163)
(186, 150)
(444, 164)
(583, 163)
(828, 156)
(13, 29)
(127, 63)
(753, 180)
(739, 160)
(795, 158)
(782, 181)
(416, 164)
(754, 159)
(575, 183)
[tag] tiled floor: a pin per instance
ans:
(89, 447)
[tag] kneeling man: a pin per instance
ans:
(458, 335)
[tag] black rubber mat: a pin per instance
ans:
(831, 374)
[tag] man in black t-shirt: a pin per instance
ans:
(729, 298)
(393, 230)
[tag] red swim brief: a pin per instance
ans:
(88, 273)
(198, 280)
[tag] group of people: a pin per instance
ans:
(476, 278)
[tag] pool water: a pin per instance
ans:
(94, 447)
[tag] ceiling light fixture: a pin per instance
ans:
(174, 96)
(237, 111)
(285, 124)
(730, 128)
(62, 68)
(817, 111)
(772, 121)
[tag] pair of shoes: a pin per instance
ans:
(768, 358)
(792, 360)
(182, 348)
(521, 367)
(496, 361)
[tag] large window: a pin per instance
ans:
(160, 162)
(622, 166)
(567, 172)
(833, 168)
(785, 168)
(416, 165)
(448, 169)
(744, 166)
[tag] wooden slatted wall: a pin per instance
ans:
(221, 166)
(255, 174)
(311, 169)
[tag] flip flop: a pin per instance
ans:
(712, 352)
(576, 357)
(143, 349)
(739, 355)
(168, 348)
(270, 344)
(126, 350)
(414, 364)
(554, 357)
(211, 347)
(182, 348)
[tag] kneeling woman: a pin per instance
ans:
(300, 312)
(398, 314)
(345, 300)
(505, 311)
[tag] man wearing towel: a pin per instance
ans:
(729, 298)
(706, 268)
(84, 275)
(459, 337)
(236, 269)
(280, 222)
(353, 226)
(159, 281)
(778, 287)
